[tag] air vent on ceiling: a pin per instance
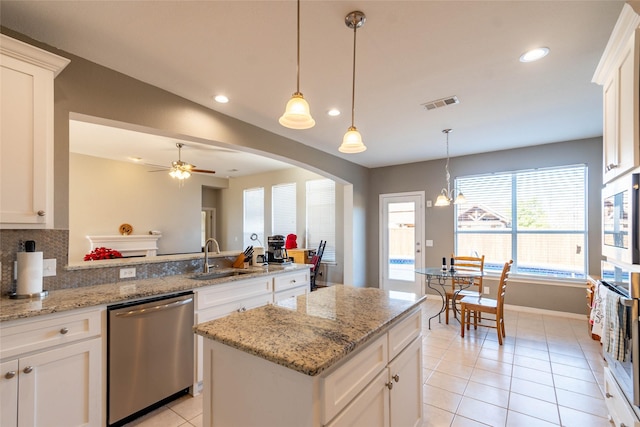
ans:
(432, 105)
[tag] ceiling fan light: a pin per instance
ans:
(442, 200)
(352, 142)
(296, 114)
(179, 174)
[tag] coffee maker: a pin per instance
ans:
(276, 251)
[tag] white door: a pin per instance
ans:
(401, 237)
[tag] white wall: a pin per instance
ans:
(104, 194)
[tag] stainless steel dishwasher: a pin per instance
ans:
(150, 354)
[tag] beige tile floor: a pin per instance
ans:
(548, 373)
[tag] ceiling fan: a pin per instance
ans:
(183, 170)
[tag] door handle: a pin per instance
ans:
(155, 308)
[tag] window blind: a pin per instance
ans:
(253, 215)
(321, 216)
(283, 207)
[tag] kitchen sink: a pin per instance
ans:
(218, 274)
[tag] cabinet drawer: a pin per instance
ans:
(290, 293)
(617, 404)
(342, 385)
(288, 281)
(222, 310)
(403, 333)
(23, 336)
(231, 292)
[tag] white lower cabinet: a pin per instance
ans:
(393, 398)
(374, 387)
(290, 285)
(60, 383)
(216, 301)
(619, 408)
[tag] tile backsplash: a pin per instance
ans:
(55, 244)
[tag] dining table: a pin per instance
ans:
(437, 278)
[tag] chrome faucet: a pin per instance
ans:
(206, 266)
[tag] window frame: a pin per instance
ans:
(514, 231)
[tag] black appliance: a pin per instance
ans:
(276, 251)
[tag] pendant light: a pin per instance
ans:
(447, 195)
(296, 114)
(352, 141)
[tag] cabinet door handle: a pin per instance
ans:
(608, 395)
(64, 331)
(28, 369)
(41, 213)
(242, 309)
(396, 378)
(611, 166)
(389, 385)
(10, 375)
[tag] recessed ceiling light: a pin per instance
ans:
(135, 159)
(333, 112)
(221, 99)
(534, 54)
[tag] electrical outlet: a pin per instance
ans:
(126, 273)
(49, 267)
(486, 290)
(429, 203)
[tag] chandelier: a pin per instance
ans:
(448, 195)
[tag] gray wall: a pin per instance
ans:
(90, 89)
(86, 88)
(439, 221)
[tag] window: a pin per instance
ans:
(321, 216)
(253, 215)
(538, 218)
(283, 207)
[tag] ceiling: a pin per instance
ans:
(408, 53)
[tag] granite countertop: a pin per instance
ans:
(126, 290)
(312, 332)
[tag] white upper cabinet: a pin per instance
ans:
(26, 135)
(619, 74)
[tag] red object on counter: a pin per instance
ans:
(291, 243)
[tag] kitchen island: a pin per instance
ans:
(338, 356)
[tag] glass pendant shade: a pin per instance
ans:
(460, 199)
(297, 114)
(352, 142)
(443, 200)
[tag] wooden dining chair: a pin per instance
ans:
(464, 264)
(478, 305)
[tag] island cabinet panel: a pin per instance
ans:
(344, 384)
(373, 386)
(369, 408)
(406, 395)
(403, 333)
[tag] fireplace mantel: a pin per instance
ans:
(130, 245)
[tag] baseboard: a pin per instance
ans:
(523, 309)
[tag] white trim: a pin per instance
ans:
(32, 55)
(627, 23)
(523, 309)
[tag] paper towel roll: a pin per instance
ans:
(29, 273)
